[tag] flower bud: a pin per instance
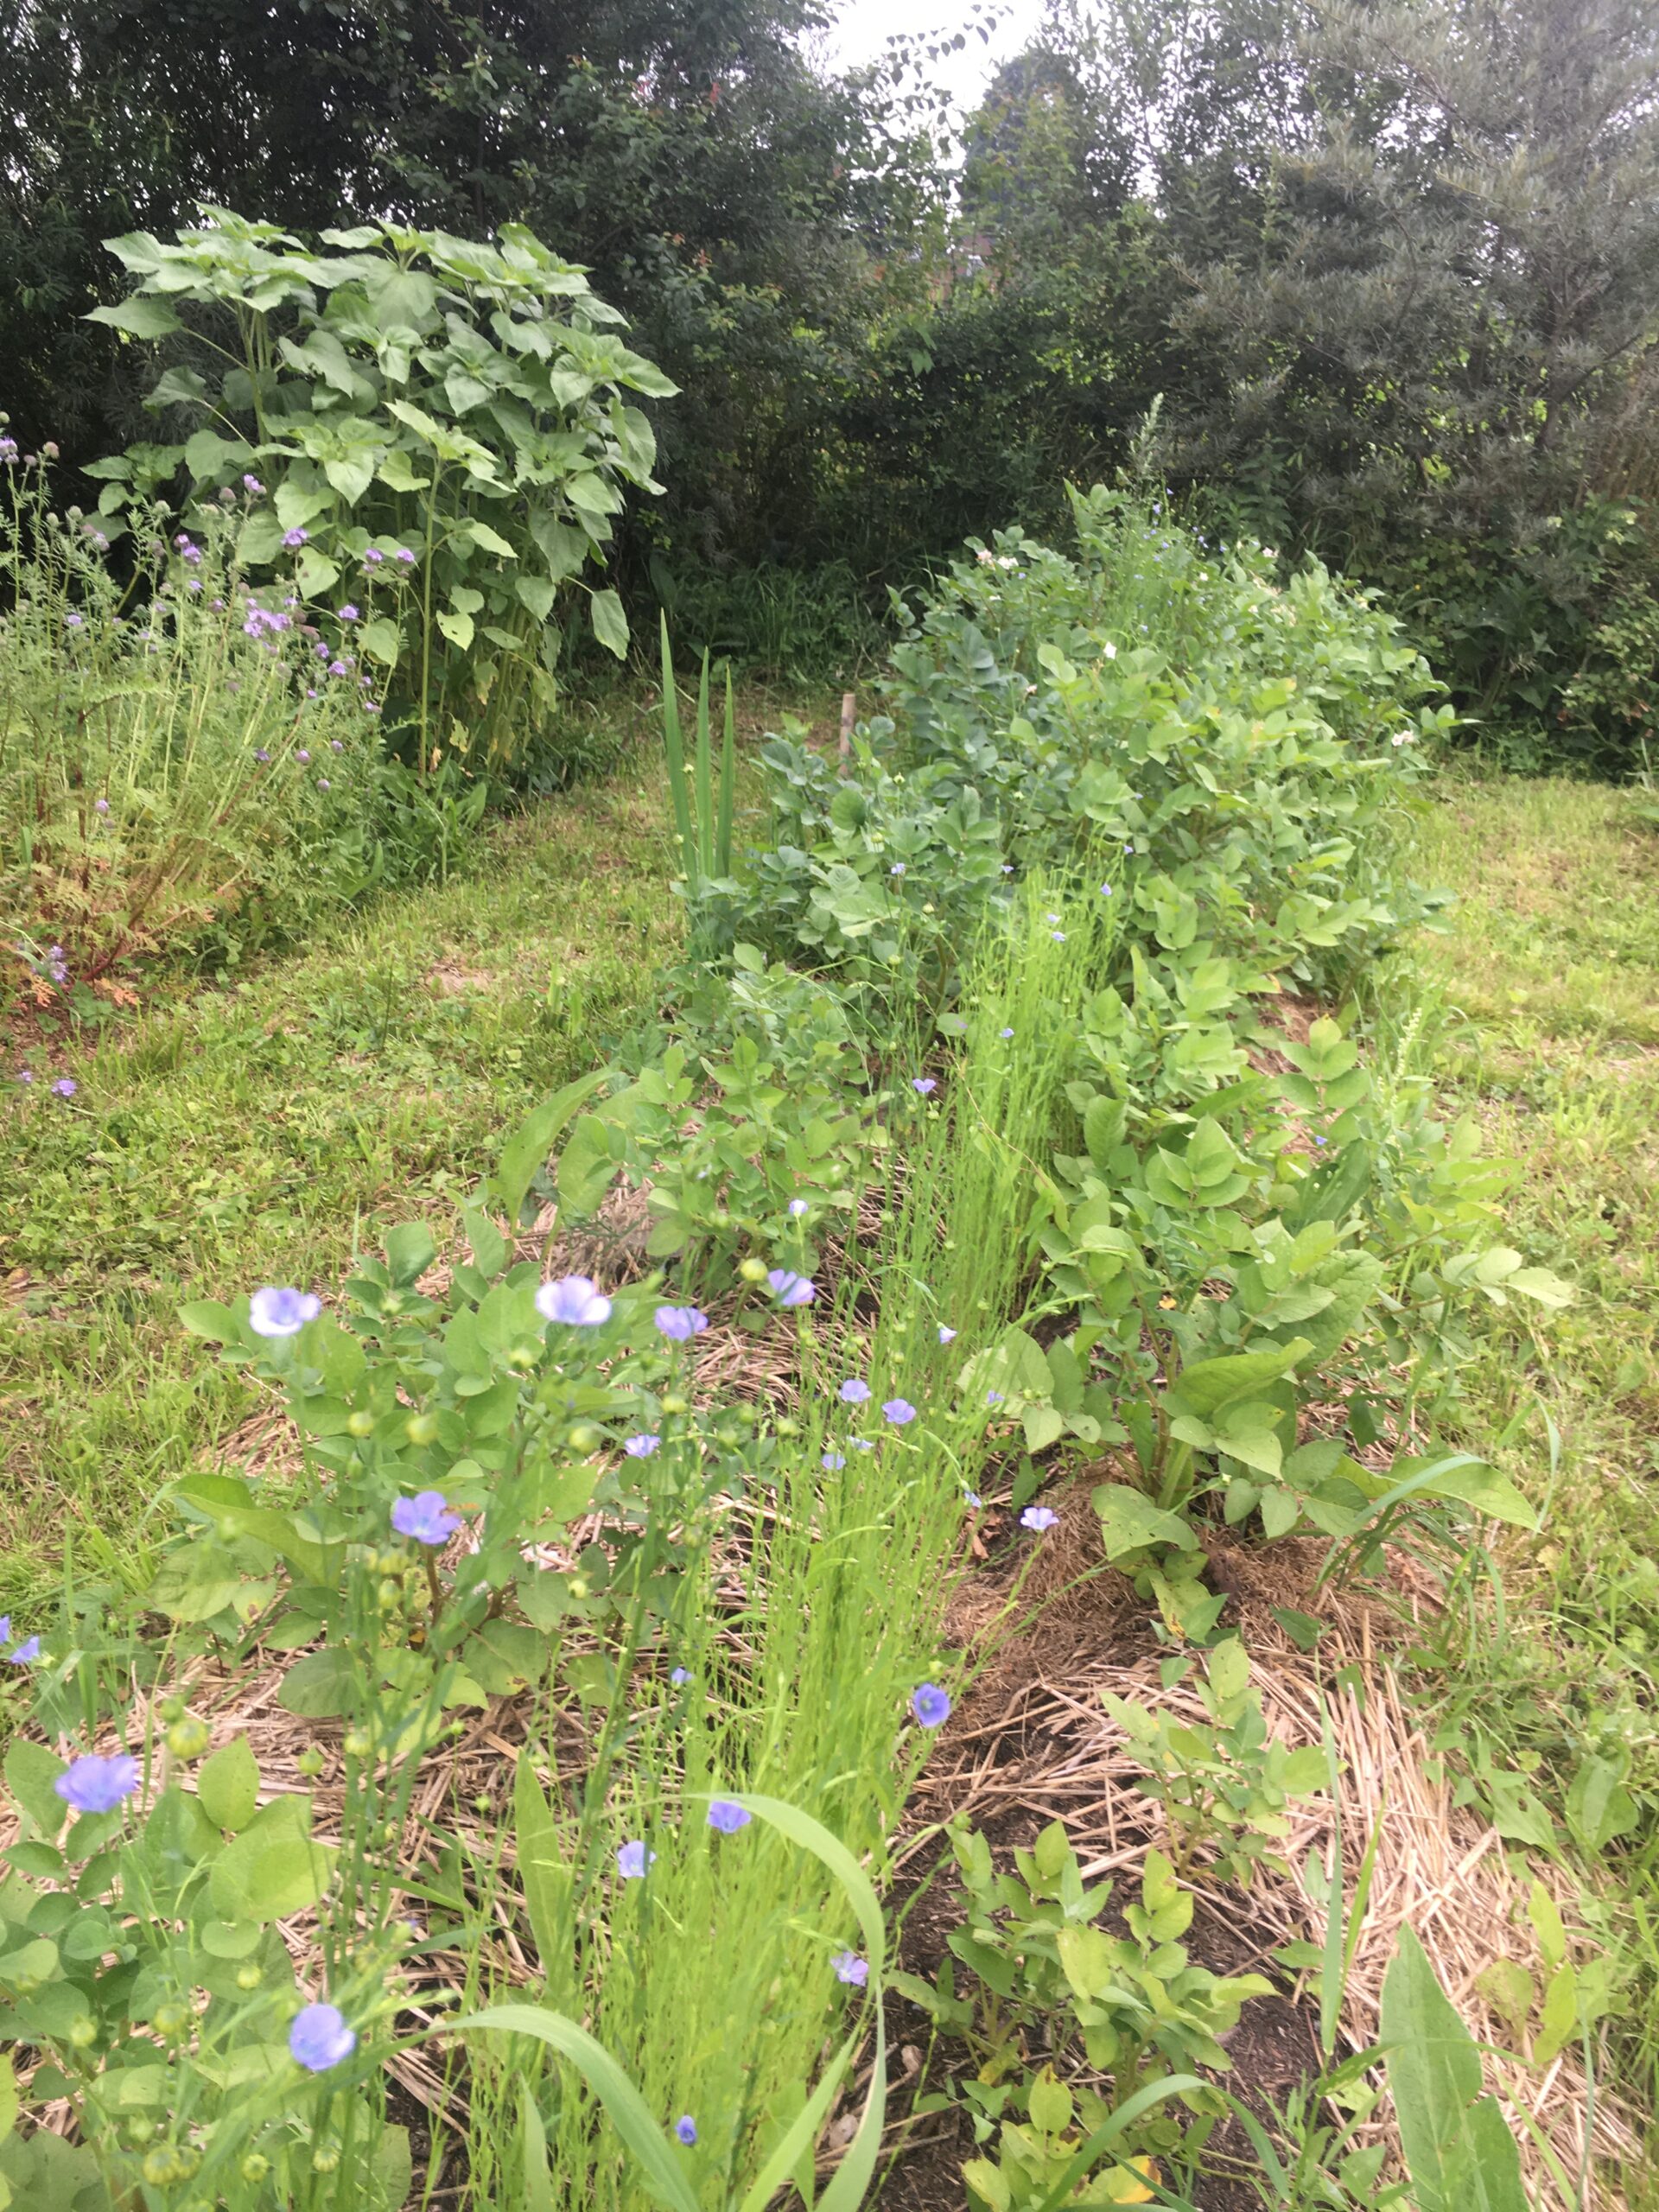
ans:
(310, 1762)
(422, 1429)
(172, 1708)
(255, 2166)
(169, 2020)
(325, 2159)
(247, 1977)
(359, 1422)
(752, 1270)
(189, 1738)
(356, 1744)
(580, 1586)
(676, 1404)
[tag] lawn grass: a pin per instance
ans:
(258, 1131)
(1545, 1023)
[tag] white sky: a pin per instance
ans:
(862, 28)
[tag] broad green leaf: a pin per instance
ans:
(382, 640)
(319, 1687)
(458, 628)
(410, 1249)
(490, 541)
(272, 1869)
(1434, 2070)
(1209, 1384)
(141, 316)
(537, 594)
(610, 623)
(228, 1785)
(31, 1770)
(1129, 1520)
(528, 1147)
(205, 1317)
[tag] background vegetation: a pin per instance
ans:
(1390, 275)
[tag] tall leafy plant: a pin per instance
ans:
(439, 428)
(703, 809)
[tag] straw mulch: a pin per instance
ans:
(1033, 1737)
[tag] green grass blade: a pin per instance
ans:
(728, 785)
(705, 781)
(628, 2112)
(674, 746)
(538, 2182)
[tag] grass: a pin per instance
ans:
(1547, 1027)
(260, 1130)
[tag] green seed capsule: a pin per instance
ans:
(422, 1429)
(189, 1738)
(752, 1270)
(359, 1422)
(675, 1405)
(584, 1437)
(247, 1977)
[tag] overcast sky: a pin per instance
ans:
(863, 28)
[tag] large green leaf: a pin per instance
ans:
(1210, 1384)
(272, 1869)
(142, 316)
(610, 623)
(527, 1148)
(544, 1872)
(1129, 1520)
(1434, 2070)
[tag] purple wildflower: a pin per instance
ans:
(320, 2038)
(789, 1288)
(292, 539)
(641, 1447)
(727, 1818)
(685, 2130)
(632, 1860)
(679, 1324)
(1039, 1518)
(576, 1302)
(854, 1392)
(899, 1411)
(98, 1785)
(426, 1517)
(282, 1313)
(848, 1967)
(930, 1705)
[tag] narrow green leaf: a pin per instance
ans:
(728, 785)
(629, 2115)
(533, 1140)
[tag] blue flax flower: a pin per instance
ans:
(946, 1335)
(1039, 1518)
(275, 1312)
(680, 1677)
(834, 1462)
(98, 1785)
(685, 2130)
(789, 1288)
(27, 1652)
(320, 2038)
(854, 1393)
(641, 1447)
(899, 1411)
(426, 1517)
(727, 1818)
(631, 1861)
(575, 1301)
(930, 1705)
(679, 1324)
(851, 1969)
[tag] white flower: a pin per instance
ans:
(1402, 737)
(1111, 649)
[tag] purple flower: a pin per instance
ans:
(1105, 890)
(899, 1411)
(5, 1630)
(680, 1677)
(685, 2130)
(74, 621)
(426, 1517)
(335, 745)
(796, 1208)
(27, 1652)
(372, 557)
(727, 1818)
(100, 806)
(65, 1087)
(789, 1288)
(833, 1462)
(1005, 1033)
(924, 1083)
(98, 1785)
(323, 783)
(282, 1313)
(973, 1500)
(930, 1705)
(252, 483)
(303, 756)
(1317, 1139)
(848, 1967)
(294, 537)
(404, 554)
(337, 668)
(641, 1447)
(1039, 1518)
(320, 2038)
(897, 868)
(348, 613)
(1058, 935)
(25, 1075)
(576, 1301)
(946, 1336)
(679, 1324)
(854, 1393)
(994, 1397)
(631, 1861)
(859, 1444)
(371, 706)
(260, 753)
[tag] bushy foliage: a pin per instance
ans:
(442, 429)
(189, 762)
